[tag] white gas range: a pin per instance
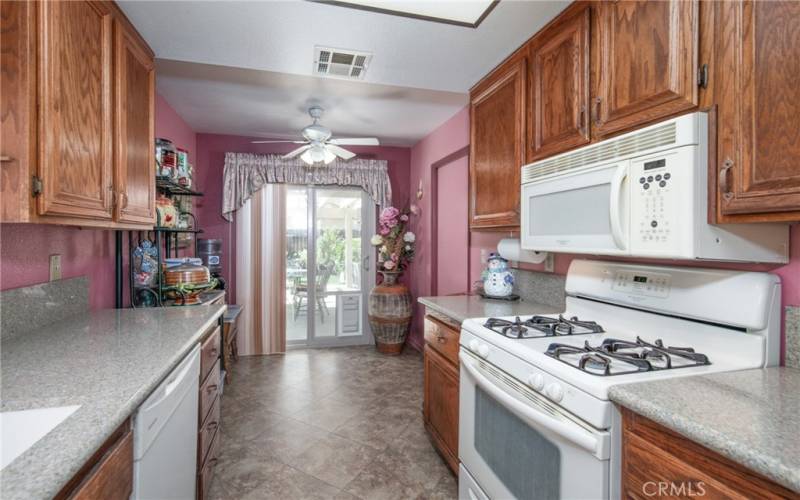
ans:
(535, 420)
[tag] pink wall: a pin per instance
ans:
(25, 248)
(211, 149)
(450, 137)
(452, 227)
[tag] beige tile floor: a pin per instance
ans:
(342, 423)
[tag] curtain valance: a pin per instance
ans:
(246, 173)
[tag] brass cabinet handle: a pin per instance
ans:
(724, 179)
(211, 388)
(4, 158)
(441, 338)
(123, 199)
(581, 125)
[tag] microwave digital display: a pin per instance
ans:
(640, 279)
(650, 165)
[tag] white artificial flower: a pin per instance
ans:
(376, 240)
(408, 248)
(384, 249)
(409, 237)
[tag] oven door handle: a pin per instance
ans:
(614, 206)
(526, 413)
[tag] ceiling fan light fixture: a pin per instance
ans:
(329, 157)
(306, 157)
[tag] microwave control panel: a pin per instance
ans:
(641, 283)
(655, 204)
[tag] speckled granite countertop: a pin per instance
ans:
(750, 416)
(461, 307)
(107, 362)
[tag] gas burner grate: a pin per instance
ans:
(542, 326)
(631, 357)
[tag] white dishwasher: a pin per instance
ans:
(165, 436)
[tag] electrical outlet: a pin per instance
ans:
(55, 267)
(550, 262)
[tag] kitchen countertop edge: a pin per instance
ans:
(499, 307)
(771, 467)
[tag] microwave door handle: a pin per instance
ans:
(529, 415)
(614, 205)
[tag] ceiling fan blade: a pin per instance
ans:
(340, 152)
(297, 151)
(277, 142)
(355, 141)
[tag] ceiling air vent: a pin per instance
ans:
(340, 63)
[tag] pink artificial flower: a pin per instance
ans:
(394, 256)
(384, 231)
(404, 218)
(414, 209)
(388, 265)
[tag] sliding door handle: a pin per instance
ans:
(365, 263)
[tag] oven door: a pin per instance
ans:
(516, 444)
(581, 213)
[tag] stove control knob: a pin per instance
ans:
(536, 380)
(483, 351)
(473, 345)
(555, 392)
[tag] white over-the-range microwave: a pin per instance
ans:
(641, 194)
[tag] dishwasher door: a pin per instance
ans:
(165, 436)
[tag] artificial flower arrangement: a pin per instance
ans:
(395, 245)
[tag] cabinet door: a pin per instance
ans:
(497, 138)
(647, 62)
(559, 82)
(75, 119)
(758, 105)
(134, 153)
(440, 407)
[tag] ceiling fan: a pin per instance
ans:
(318, 145)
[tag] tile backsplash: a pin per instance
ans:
(32, 307)
(544, 288)
(793, 336)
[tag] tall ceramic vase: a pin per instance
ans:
(390, 313)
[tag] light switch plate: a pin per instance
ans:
(55, 267)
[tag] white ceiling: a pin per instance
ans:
(275, 37)
(253, 103)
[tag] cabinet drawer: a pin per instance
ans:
(207, 471)
(208, 392)
(208, 428)
(112, 478)
(210, 353)
(443, 338)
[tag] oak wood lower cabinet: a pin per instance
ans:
(440, 404)
(645, 62)
(659, 463)
(77, 116)
(758, 102)
(208, 414)
(497, 146)
(108, 474)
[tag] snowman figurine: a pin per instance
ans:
(497, 280)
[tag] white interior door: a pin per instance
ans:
(328, 232)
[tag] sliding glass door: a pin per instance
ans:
(328, 265)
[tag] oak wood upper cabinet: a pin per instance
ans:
(134, 84)
(77, 116)
(497, 146)
(75, 109)
(440, 404)
(559, 85)
(645, 62)
(758, 106)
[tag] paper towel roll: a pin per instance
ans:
(510, 249)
